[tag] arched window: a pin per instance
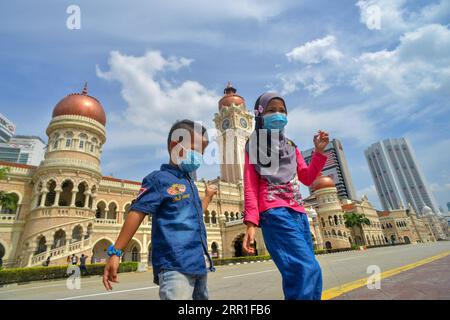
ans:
(101, 210)
(66, 195)
(135, 254)
(213, 218)
(59, 239)
(41, 245)
(112, 211)
(227, 216)
(335, 220)
(80, 197)
(77, 234)
(214, 250)
(207, 217)
(323, 222)
(56, 141)
(68, 136)
(82, 141)
(50, 199)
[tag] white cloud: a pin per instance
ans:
(307, 78)
(346, 123)
(419, 64)
(316, 51)
(311, 77)
(153, 102)
(396, 17)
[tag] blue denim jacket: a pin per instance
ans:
(178, 232)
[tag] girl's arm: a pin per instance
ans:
(251, 190)
(307, 174)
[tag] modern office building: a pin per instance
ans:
(397, 176)
(336, 167)
(28, 150)
(7, 129)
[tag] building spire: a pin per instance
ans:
(85, 89)
(229, 88)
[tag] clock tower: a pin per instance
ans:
(234, 124)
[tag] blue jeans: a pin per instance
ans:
(288, 239)
(174, 285)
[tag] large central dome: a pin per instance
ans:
(81, 104)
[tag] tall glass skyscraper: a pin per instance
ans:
(398, 177)
(336, 167)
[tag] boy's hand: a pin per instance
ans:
(110, 272)
(249, 239)
(210, 191)
(321, 140)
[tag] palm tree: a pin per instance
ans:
(356, 220)
(7, 200)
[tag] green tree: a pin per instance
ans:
(7, 200)
(356, 220)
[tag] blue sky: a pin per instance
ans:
(151, 63)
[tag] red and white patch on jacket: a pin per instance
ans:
(141, 191)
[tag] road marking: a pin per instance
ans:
(106, 293)
(248, 274)
(62, 284)
(337, 291)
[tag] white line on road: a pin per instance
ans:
(106, 293)
(248, 274)
(48, 286)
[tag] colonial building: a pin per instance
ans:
(66, 206)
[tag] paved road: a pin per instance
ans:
(236, 282)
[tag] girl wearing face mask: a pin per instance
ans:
(273, 170)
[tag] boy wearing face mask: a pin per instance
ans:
(180, 255)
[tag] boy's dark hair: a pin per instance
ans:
(188, 125)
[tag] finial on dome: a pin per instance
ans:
(229, 88)
(85, 89)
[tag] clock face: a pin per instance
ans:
(243, 123)
(226, 124)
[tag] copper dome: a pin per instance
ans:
(322, 182)
(81, 104)
(230, 97)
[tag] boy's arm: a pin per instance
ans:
(209, 194)
(131, 224)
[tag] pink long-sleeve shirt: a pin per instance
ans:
(260, 195)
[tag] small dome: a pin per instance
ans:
(230, 97)
(322, 182)
(426, 210)
(312, 212)
(81, 104)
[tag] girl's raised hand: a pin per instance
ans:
(321, 140)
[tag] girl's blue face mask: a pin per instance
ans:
(275, 120)
(191, 162)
